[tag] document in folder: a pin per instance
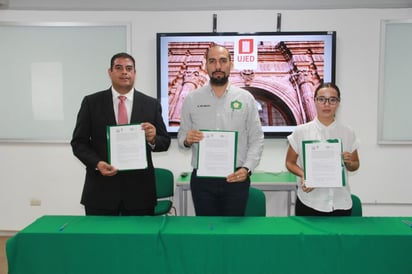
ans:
(323, 163)
(127, 147)
(217, 153)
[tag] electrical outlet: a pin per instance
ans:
(35, 202)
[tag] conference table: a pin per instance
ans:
(189, 244)
(266, 181)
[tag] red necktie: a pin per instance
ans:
(122, 119)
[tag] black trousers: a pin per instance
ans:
(303, 210)
(216, 197)
(120, 211)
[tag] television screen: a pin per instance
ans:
(280, 69)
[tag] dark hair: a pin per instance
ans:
(217, 45)
(327, 85)
(121, 55)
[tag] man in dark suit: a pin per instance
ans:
(108, 191)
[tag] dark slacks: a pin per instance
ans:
(216, 197)
(303, 210)
(120, 211)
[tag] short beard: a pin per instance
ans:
(219, 81)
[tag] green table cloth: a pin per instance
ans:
(175, 244)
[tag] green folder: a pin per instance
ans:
(305, 142)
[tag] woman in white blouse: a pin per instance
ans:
(323, 201)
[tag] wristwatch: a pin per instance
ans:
(249, 173)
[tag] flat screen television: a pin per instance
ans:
(280, 69)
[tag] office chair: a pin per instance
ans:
(356, 206)
(256, 203)
(164, 191)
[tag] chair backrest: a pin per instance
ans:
(164, 182)
(256, 203)
(356, 206)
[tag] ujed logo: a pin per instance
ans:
(246, 51)
(245, 46)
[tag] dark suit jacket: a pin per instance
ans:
(136, 189)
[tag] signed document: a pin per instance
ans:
(127, 147)
(323, 163)
(217, 154)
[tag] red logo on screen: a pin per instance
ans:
(245, 46)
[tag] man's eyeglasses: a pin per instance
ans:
(330, 100)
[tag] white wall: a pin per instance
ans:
(50, 173)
